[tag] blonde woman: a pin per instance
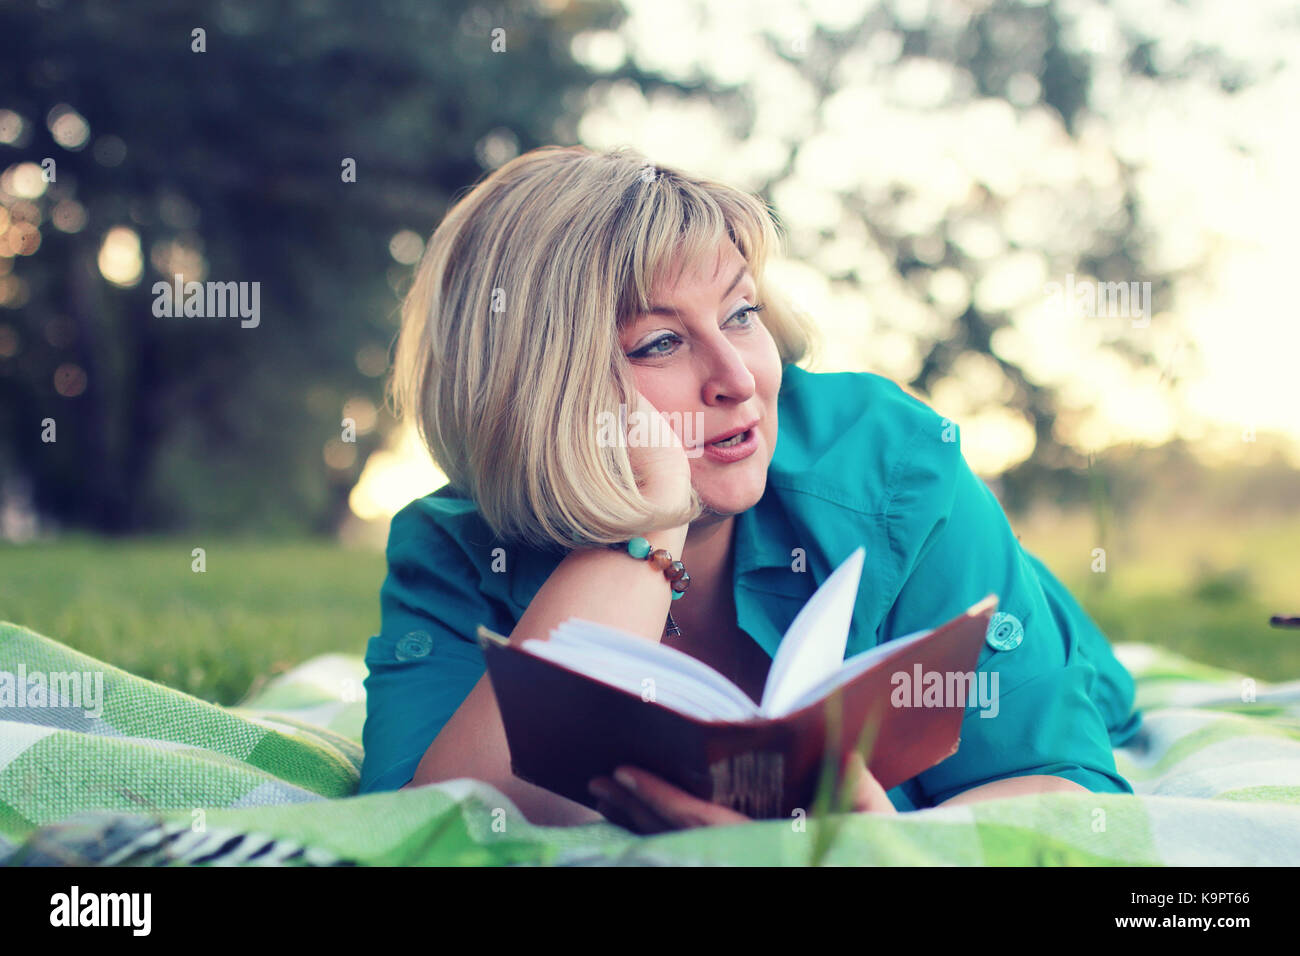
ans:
(570, 289)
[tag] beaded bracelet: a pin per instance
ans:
(661, 560)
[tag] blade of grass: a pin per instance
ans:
(832, 802)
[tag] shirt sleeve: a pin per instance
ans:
(424, 661)
(951, 544)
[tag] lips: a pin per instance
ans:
(723, 436)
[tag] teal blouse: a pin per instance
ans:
(857, 462)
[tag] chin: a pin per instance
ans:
(735, 496)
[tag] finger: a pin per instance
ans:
(644, 818)
(674, 805)
(615, 815)
(868, 795)
(640, 817)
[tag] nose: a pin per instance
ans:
(727, 377)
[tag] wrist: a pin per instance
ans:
(659, 558)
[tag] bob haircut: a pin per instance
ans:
(509, 347)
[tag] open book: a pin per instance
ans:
(592, 697)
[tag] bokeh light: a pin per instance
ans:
(109, 150)
(362, 411)
(340, 455)
(24, 180)
(69, 380)
(394, 475)
(406, 247)
(11, 127)
(181, 256)
(13, 291)
(372, 361)
(68, 127)
(120, 259)
(68, 216)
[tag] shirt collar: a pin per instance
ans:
(767, 540)
(765, 550)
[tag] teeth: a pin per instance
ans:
(733, 440)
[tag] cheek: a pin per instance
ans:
(771, 388)
(655, 389)
(766, 365)
(663, 392)
(770, 429)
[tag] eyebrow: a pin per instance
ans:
(665, 310)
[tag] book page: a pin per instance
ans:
(684, 697)
(625, 660)
(679, 662)
(854, 666)
(813, 646)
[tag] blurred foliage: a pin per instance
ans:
(238, 152)
(1222, 585)
(235, 154)
(1168, 479)
(991, 53)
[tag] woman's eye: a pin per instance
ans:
(652, 350)
(748, 314)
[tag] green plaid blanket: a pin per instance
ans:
(131, 772)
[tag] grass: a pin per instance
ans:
(1204, 588)
(258, 609)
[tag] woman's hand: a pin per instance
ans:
(652, 805)
(662, 469)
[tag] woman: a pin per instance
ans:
(568, 284)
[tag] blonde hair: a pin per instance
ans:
(509, 347)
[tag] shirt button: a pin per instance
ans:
(1005, 632)
(414, 645)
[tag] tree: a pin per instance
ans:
(221, 135)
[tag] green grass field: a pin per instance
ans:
(1203, 589)
(257, 610)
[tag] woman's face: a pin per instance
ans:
(702, 353)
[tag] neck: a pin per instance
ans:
(707, 556)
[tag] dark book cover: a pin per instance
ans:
(564, 728)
